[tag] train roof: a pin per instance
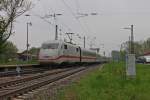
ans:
(63, 42)
(52, 41)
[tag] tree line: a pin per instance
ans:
(10, 53)
(140, 47)
(10, 10)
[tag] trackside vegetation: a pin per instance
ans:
(110, 83)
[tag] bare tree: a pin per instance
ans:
(9, 11)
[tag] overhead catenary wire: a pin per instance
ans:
(41, 17)
(79, 10)
(78, 6)
(83, 15)
(47, 21)
(64, 25)
(84, 27)
(73, 14)
(67, 27)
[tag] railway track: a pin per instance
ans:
(26, 69)
(12, 70)
(4, 84)
(13, 88)
(23, 72)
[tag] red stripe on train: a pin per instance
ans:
(68, 56)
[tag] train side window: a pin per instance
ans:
(65, 46)
(61, 47)
(77, 49)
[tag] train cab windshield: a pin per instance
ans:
(50, 46)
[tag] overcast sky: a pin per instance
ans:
(107, 26)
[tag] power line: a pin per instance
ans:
(69, 8)
(76, 17)
(66, 26)
(86, 28)
(43, 18)
(61, 30)
(42, 6)
(83, 15)
(78, 6)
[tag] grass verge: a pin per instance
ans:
(110, 83)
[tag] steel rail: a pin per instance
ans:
(22, 72)
(29, 78)
(24, 88)
(20, 65)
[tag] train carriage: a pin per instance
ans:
(58, 52)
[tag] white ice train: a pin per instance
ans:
(58, 52)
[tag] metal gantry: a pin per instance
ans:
(131, 39)
(56, 26)
(130, 57)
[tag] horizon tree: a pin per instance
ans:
(10, 51)
(10, 10)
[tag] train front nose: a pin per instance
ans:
(48, 57)
(48, 53)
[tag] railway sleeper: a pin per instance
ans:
(31, 88)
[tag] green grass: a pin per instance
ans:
(110, 83)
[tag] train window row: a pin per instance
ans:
(86, 53)
(71, 48)
(65, 46)
(77, 49)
